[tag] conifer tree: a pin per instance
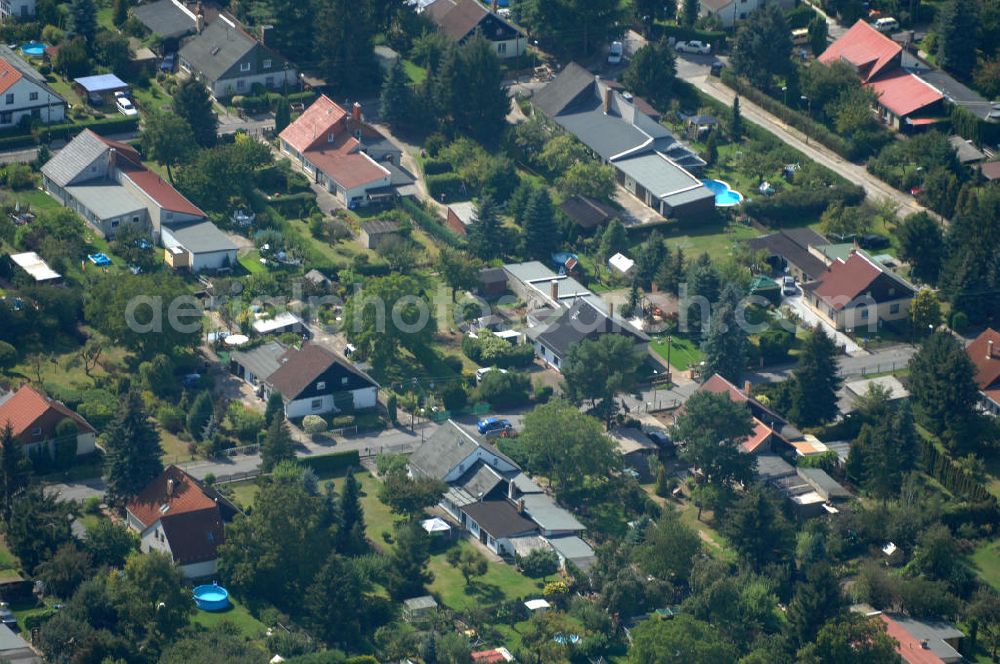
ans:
(814, 392)
(541, 237)
(487, 236)
(278, 445)
(132, 451)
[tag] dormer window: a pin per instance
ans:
(329, 137)
(321, 385)
(37, 432)
(244, 66)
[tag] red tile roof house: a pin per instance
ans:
(859, 293)
(984, 352)
(341, 152)
(25, 92)
(905, 101)
(35, 417)
(923, 642)
(106, 182)
(179, 515)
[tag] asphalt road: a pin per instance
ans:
(887, 359)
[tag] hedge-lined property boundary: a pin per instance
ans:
(332, 463)
(66, 131)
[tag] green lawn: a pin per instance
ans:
(378, 518)
(683, 352)
(8, 562)
(986, 561)
(416, 73)
(716, 239)
(38, 200)
(251, 263)
(237, 615)
(244, 493)
(501, 582)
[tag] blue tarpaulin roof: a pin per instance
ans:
(101, 83)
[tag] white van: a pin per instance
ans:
(886, 25)
(616, 52)
(481, 373)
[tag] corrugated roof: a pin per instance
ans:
(660, 176)
(164, 18)
(986, 358)
(575, 550)
(380, 226)
(202, 237)
(793, 245)
(866, 48)
(261, 361)
(586, 212)
(499, 518)
(903, 93)
(909, 647)
(106, 200)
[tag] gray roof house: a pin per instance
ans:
(168, 18)
(583, 321)
(649, 162)
(552, 519)
(572, 549)
(452, 451)
(229, 61)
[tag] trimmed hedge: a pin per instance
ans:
(294, 206)
(429, 223)
(269, 100)
(789, 207)
(449, 185)
(717, 39)
(797, 119)
(66, 131)
(437, 167)
(332, 463)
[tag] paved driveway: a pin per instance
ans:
(798, 304)
(79, 490)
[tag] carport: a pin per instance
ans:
(99, 89)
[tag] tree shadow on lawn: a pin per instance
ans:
(486, 592)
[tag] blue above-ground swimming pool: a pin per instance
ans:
(99, 259)
(211, 597)
(724, 196)
(33, 48)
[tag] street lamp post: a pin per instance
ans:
(808, 102)
(784, 94)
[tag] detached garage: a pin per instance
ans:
(199, 246)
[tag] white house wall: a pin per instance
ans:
(199, 570)
(213, 261)
(480, 454)
(243, 85)
(48, 107)
(365, 397)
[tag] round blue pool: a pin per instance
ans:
(724, 196)
(211, 597)
(33, 48)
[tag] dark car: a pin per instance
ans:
(716, 69)
(874, 241)
(167, 64)
(494, 426)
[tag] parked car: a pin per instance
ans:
(886, 25)
(788, 286)
(694, 46)
(125, 105)
(616, 52)
(874, 241)
(716, 69)
(167, 64)
(6, 615)
(491, 427)
(481, 373)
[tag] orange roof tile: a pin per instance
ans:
(158, 501)
(760, 435)
(9, 75)
(845, 280)
(26, 405)
(314, 125)
(719, 385)
(986, 357)
(903, 93)
(866, 48)
(162, 191)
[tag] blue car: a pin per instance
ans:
(494, 426)
(167, 64)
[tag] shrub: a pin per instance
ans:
(245, 423)
(502, 390)
(539, 563)
(436, 167)
(775, 343)
(790, 206)
(959, 321)
(313, 424)
(489, 350)
(434, 143)
(446, 186)
(170, 418)
(342, 421)
(325, 464)
(92, 505)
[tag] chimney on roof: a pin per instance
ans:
(199, 22)
(747, 387)
(520, 505)
(112, 162)
(266, 34)
(554, 289)
(611, 310)
(607, 100)
(925, 645)
(510, 490)
(171, 484)
(356, 112)
(989, 349)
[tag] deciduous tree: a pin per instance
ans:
(817, 599)
(921, 244)
(650, 73)
(598, 370)
(712, 427)
(957, 35)
(762, 47)
(682, 639)
(408, 496)
(168, 139)
(851, 638)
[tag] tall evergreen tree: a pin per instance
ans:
(15, 469)
(726, 345)
(487, 236)
(407, 573)
(759, 530)
(351, 533)
(82, 21)
(200, 415)
(344, 45)
(957, 30)
(333, 602)
(38, 526)
(275, 406)
(119, 12)
(477, 83)
(816, 600)
(703, 290)
(816, 381)
(736, 121)
(541, 237)
(650, 257)
(944, 390)
(132, 451)
(278, 444)
(282, 115)
(191, 102)
(762, 47)
(671, 272)
(396, 100)
(690, 14)
(614, 240)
